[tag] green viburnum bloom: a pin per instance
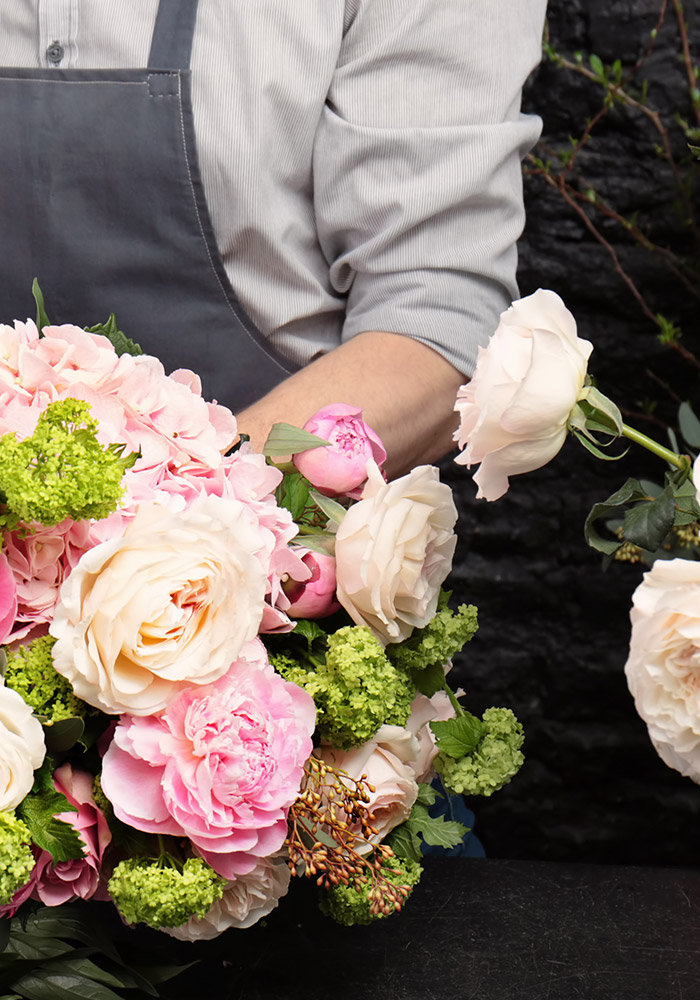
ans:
(148, 892)
(438, 641)
(31, 673)
(492, 763)
(356, 689)
(16, 858)
(61, 470)
(348, 904)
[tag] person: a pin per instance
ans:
(324, 208)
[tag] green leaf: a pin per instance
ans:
(47, 985)
(630, 492)
(118, 339)
(42, 319)
(458, 737)
(309, 630)
(319, 541)
(405, 842)
(430, 680)
(597, 67)
(647, 524)
(38, 811)
(293, 494)
(603, 410)
(60, 736)
(427, 795)
(3, 662)
(331, 508)
(285, 439)
(689, 425)
(594, 449)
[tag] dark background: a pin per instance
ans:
(554, 626)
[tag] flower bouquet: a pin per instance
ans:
(530, 390)
(220, 671)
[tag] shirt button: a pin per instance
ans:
(55, 52)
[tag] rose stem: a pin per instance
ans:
(680, 461)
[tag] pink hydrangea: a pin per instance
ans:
(8, 598)
(221, 765)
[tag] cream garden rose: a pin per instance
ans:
(393, 551)
(514, 412)
(22, 748)
(663, 667)
(169, 603)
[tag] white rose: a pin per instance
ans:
(514, 412)
(663, 668)
(393, 551)
(245, 901)
(393, 780)
(169, 604)
(22, 748)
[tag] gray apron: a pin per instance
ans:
(101, 199)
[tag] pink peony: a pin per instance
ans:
(221, 765)
(314, 598)
(8, 598)
(342, 466)
(55, 884)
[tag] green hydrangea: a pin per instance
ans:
(356, 688)
(16, 858)
(147, 892)
(438, 641)
(31, 673)
(348, 904)
(492, 763)
(61, 470)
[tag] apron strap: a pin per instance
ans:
(171, 46)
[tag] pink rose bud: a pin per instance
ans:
(315, 597)
(342, 466)
(8, 598)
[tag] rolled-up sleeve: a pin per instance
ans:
(417, 177)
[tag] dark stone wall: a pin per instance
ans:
(554, 625)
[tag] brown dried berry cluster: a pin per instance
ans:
(327, 822)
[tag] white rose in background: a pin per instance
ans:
(391, 776)
(169, 604)
(393, 551)
(663, 668)
(245, 901)
(22, 748)
(514, 411)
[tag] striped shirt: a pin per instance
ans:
(361, 158)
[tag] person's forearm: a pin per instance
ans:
(406, 390)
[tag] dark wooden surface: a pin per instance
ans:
(475, 930)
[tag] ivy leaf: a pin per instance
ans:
(286, 439)
(117, 338)
(430, 680)
(38, 811)
(647, 524)
(458, 737)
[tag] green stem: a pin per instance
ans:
(453, 699)
(680, 461)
